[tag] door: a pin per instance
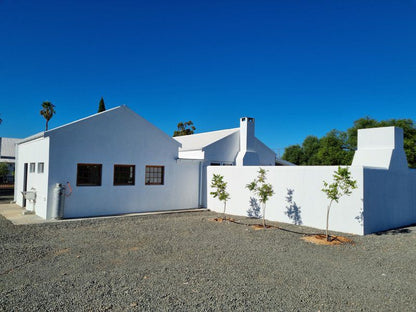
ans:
(25, 183)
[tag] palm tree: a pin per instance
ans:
(47, 112)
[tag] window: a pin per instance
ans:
(32, 167)
(215, 164)
(124, 174)
(89, 174)
(154, 175)
(41, 167)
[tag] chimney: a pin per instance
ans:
(247, 156)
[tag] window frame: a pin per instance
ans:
(43, 167)
(124, 166)
(90, 164)
(146, 182)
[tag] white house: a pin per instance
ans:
(110, 163)
(230, 147)
(117, 162)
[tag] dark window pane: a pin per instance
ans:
(89, 174)
(124, 174)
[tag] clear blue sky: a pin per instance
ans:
(298, 67)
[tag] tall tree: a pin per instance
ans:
(48, 110)
(310, 147)
(294, 154)
(101, 106)
(332, 150)
(184, 128)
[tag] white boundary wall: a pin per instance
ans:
(385, 199)
(296, 188)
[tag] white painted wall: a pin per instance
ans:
(305, 184)
(389, 199)
(117, 136)
(120, 136)
(33, 152)
(381, 148)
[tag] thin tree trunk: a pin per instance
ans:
(46, 127)
(223, 214)
(264, 215)
(327, 220)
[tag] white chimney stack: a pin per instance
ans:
(247, 155)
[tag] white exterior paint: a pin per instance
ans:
(247, 156)
(303, 184)
(223, 148)
(117, 136)
(385, 197)
(35, 151)
(381, 148)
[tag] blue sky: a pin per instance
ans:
(298, 67)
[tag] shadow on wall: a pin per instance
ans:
(293, 211)
(254, 210)
(360, 217)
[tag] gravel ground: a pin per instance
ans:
(184, 262)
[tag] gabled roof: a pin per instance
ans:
(201, 140)
(122, 108)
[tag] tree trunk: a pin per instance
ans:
(223, 214)
(46, 127)
(264, 215)
(327, 220)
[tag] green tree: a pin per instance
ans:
(4, 171)
(294, 154)
(262, 190)
(101, 106)
(184, 128)
(48, 110)
(332, 149)
(310, 147)
(342, 185)
(220, 187)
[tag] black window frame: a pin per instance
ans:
(150, 170)
(115, 175)
(99, 176)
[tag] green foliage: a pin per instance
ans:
(48, 110)
(342, 185)
(294, 154)
(262, 190)
(4, 171)
(338, 147)
(101, 106)
(184, 128)
(220, 187)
